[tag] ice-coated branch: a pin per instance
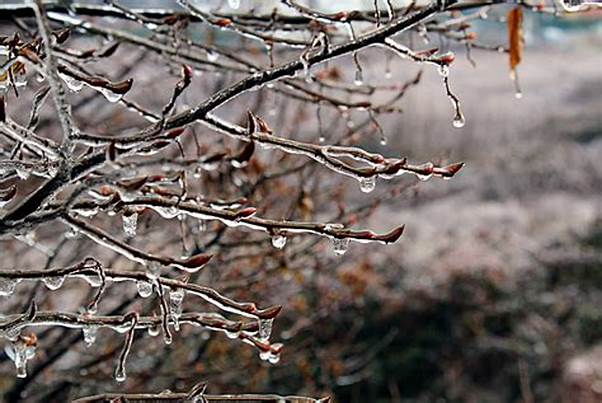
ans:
(51, 70)
(88, 269)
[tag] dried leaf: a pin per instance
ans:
(515, 36)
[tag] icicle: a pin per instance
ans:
(168, 212)
(94, 280)
(424, 177)
(130, 222)
(90, 332)
(145, 289)
(212, 56)
(23, 173)
(176, 296)
(73, 84)
(71, 233)
(53, 283)
(265, 329)
(359, 79)
(459, 120)
(518, 93)
(306, 70)
(264, 355)
(11, 334)
(153, 270)
(340, 245)
(20, 352)
(120, 374)
(278, 240)
(272, 355)
(274, 358)
(7, 286)
(443, 70)
(86, 212)
(154, 330)
(232, 335)
(109, 95)
(367, 184)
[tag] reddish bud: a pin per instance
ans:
(270, 313)
(246, 212)
(121, 87)
(187, 72)
(62, 35)
(195, 262)
(446, 58)
(223, 22)
(109, 50)
(427, 52)
(452, 169)
(172, 134)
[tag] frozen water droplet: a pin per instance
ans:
(340, 245)
(367, 184)
(86, 212)
(306, 72)
(168, 212)
(109, 95)
(23, 173)
(72, 83)
(7, 286)
(153, 270)
(459, 121)
(90, 332)
(53, 283)
(145, 289)
(154, 330)
(232, 335)
(443, 70)
(383, 141)
(264, 355)
(234, 4)
(278, 241)
(175, 306)
(120, 374)
(212, 56)
(265, 329)
(20, 352)
(322, 139)
(71, 233)
(94, 280)
(388, 74)
(359, 79)
(518, 95)
(130, 222)
(423, 177)
(40, 77)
